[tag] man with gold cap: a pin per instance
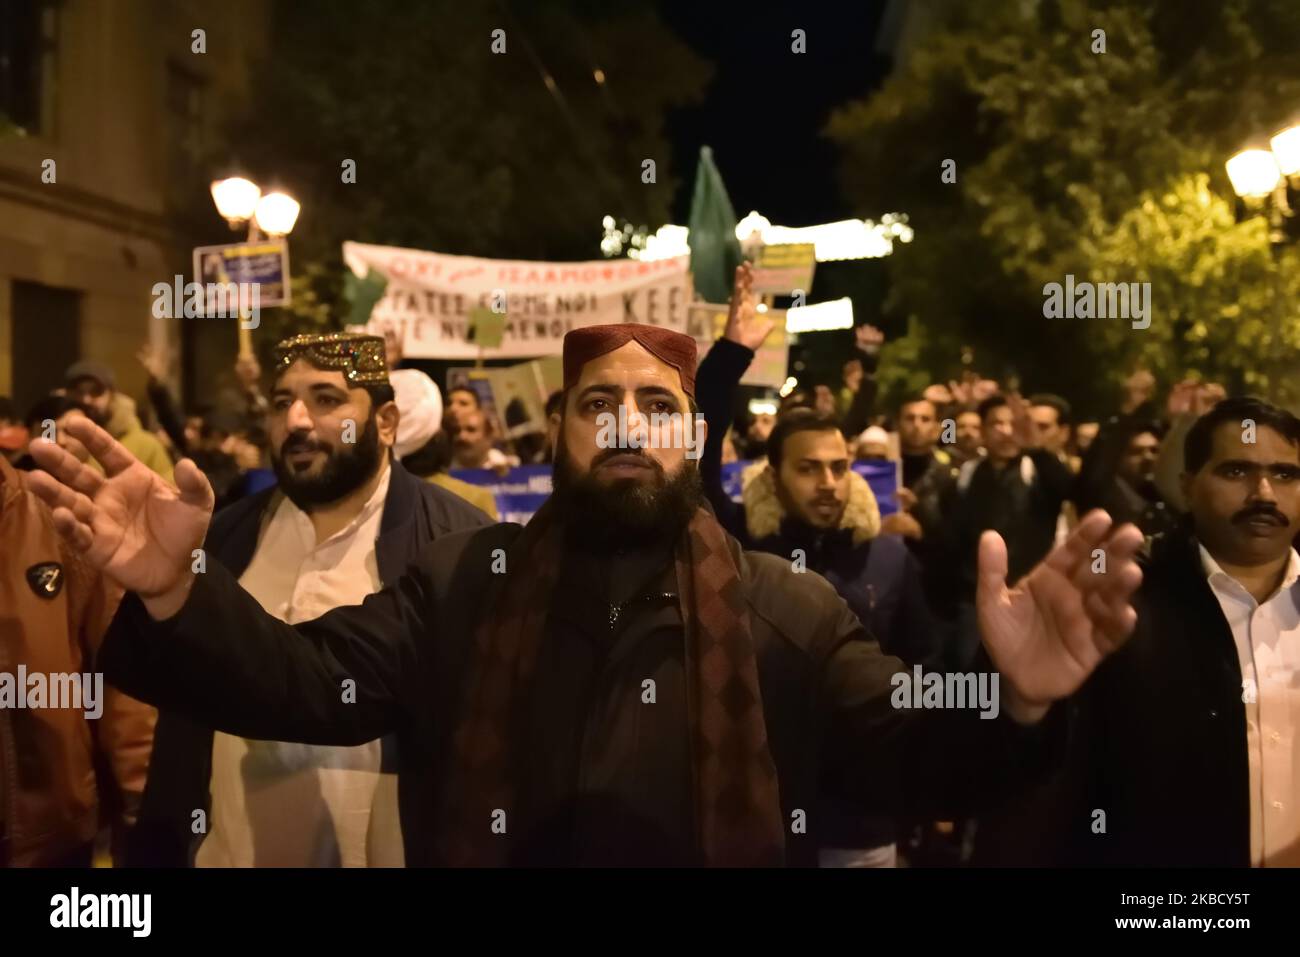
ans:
(616, 683)
(343, 520)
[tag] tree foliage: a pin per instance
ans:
(1107, 166)
(457, 148)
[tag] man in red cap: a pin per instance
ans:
(618, 682)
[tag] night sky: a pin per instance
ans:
(765, 109)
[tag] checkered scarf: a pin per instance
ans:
(738, 814)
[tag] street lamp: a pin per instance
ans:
(276, 213)
(1286, 148)
(240, 201)
(1267, 181)
(236, 199)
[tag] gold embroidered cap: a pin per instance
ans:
(359, 357)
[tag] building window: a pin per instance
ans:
(28, 54)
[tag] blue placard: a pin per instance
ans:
(264, 263)
(519, 494)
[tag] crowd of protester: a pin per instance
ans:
(308, 519)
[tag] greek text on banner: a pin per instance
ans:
(429, 298)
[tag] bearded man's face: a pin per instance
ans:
(621, 493)
(326, 438)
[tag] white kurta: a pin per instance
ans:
(276, 804)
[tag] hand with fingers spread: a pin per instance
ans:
(745, 324)
(1050, 632)
(130, 523)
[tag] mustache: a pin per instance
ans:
(299, 442)
(1260, 511)
(606, 454)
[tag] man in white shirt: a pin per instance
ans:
(344, 519)
(1187, 742)
(1245, 498)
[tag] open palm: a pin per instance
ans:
(1048, 633)
(130, 523)
(745, 324)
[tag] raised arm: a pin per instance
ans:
(343, 679)
(1045, 637)
(868, 340)
(190, 639)
(715, 390)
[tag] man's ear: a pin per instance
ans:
(387, 416)
(553, 429)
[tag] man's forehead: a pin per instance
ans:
(1230, 442)
(631, 365)
(816, 444)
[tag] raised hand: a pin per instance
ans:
(982, 389)
(1050, 632)
(1180, 398)
(869, 339)
(745, 324)
(129, 523)
(1208, 396)
(939, 394)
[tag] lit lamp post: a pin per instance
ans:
(1268, 184)
(240, 201)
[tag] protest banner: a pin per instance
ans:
(429, 298)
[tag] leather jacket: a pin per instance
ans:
(62, 773)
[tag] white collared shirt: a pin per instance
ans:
(1267, 637)
(276, 804)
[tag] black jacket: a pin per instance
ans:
(415, 514)
(1159, 743)
(1024, 514)
(1099, 484)
(826, 695)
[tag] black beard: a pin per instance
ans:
(626, 513)
(345, 471)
